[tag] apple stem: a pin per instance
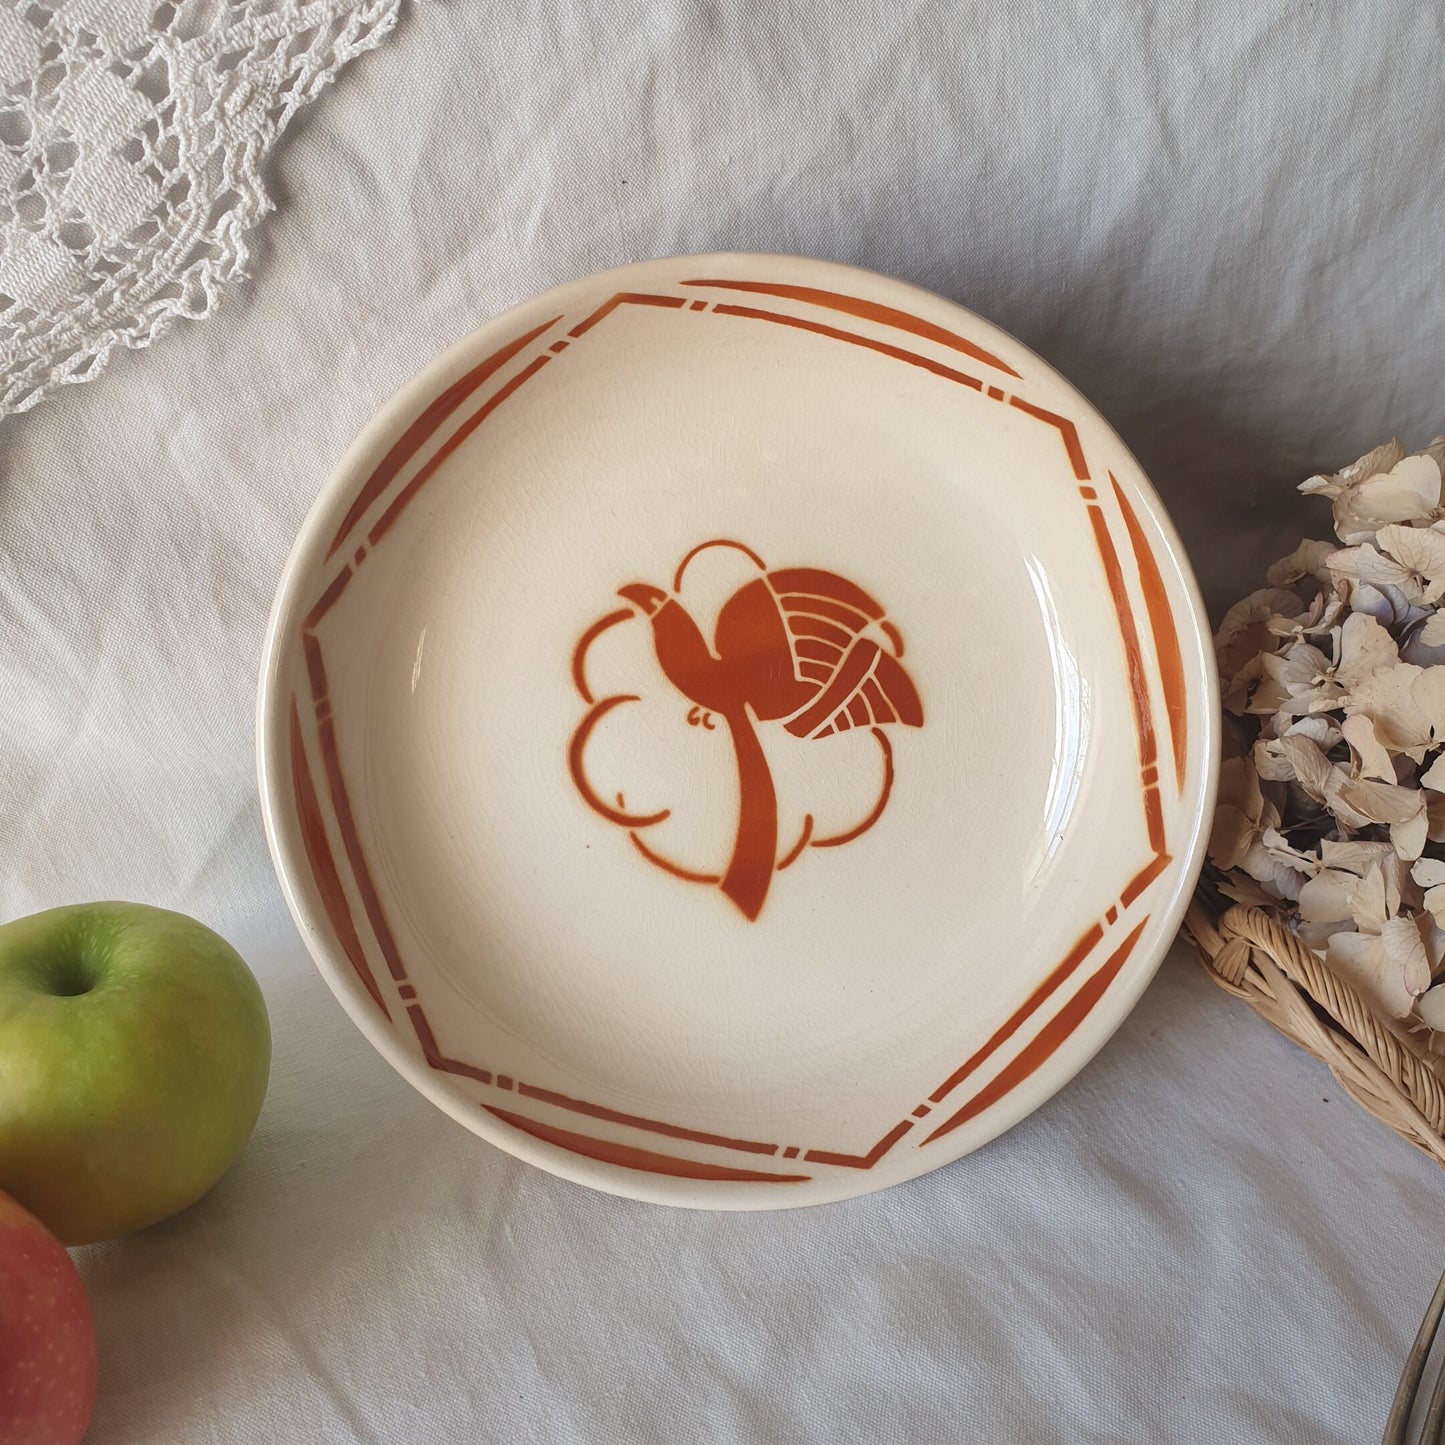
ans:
(67, 977)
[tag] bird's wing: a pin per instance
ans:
(857, 683)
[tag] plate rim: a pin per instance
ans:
(288, 857)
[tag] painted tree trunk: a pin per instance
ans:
(755, 851)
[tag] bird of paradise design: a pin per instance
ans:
(798, 648)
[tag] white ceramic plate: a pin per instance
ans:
(737, 731)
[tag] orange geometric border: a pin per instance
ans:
(1057, 1028)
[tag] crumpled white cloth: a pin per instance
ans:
(1221, 220)
(132, 142)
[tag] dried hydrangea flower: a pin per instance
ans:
(1332, 808)
(1384, 486)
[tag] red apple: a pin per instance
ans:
(47, 1337)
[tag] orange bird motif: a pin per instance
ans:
(796, 646)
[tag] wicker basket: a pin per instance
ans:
(1256, 958)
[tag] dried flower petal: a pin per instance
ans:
(1421, 654)
(1284, 853)
(1299, 681)
(1321, 730)
(1410, 835)
(1259, 606)
(1434, 939)
(1309, 559)
(1270, 761)
(1387, 698)
(1428, 872)
(1372, 903)
(1374, 760)
(1378, 459)
(1435, 902)
(1421, 552)
(1427, 690)
(1311, 767)
(1366, 563)
(1365, 647)
(1431, 1007)
(1235, 689)
(1244, 635)
(1354, 856)
(1408, 492)
(1237, 818)
(1325, 898)
(1319, 617)
(1387, 605)
(1405, 948)
(1373, 802)
(1390, 969)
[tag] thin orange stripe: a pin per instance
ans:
(1067, 430)
(1047, 1042)
(1145, 876)
(632, 298)
(315, 667)
(861, 1161)
(644, 1160)
(1166, 635)
(419, 432)
(897, 352)
(868, 311)
(1075, 956)
(805, 602)
(431, 1051)
(1133, 655)
(327, 600)
(351, 841)
(323, 865)
(1154, 816)
(803, 626)
(635, 1121)
(428, 469)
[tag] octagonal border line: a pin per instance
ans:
(1069, 435)
(421, 430)
(395, 461)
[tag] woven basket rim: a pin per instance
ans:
(1388, 1071)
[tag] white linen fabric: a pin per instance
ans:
(132, 137)
(1221, 220)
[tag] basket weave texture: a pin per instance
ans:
(1386, 1071)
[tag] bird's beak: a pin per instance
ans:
(643, 596)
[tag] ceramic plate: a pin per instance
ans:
(737, 731)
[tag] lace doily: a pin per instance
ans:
(132, 139)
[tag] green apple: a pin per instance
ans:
(134, 1053)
